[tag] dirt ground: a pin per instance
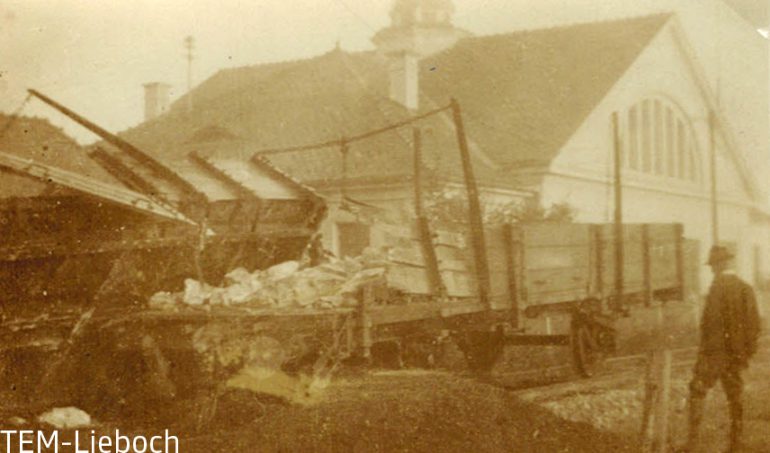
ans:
(454, 411)
(451, 410)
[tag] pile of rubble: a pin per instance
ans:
(285, 285)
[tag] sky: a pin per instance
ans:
(94, 56)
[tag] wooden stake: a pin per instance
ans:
(426, 238)
(474, 210)
(655, 420)
(618, 225)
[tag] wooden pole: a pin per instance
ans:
(660, 444)
(618, 224)
(474, 209)
(655, 420)
(344, 162)
(417, 170)
(714, 199)
(646, 265)
(426, 238)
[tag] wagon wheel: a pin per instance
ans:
(587, 355)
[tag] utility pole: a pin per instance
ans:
(618, 225)
(713, 165)
(189, 45)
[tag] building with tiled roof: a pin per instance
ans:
(537, 106)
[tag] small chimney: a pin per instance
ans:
(405, 80)
(418, 29)
(156, 99)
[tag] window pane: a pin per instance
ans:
(691, 170)
(658, 134)
(681, 148)
(646, 138)
(697, 164)
(670, 150)
(633, 139)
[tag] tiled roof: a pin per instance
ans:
(37, 139)
(523, 94)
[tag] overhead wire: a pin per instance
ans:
(352, 139)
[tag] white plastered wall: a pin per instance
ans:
(581, 174)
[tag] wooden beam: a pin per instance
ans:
(90, 186)
(474, 209)
(140, 156)
(646, 265)
(618, 221)
(426, 238)
(512, 264)
(219, 174)
(122, 173)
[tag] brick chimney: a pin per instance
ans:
(156, 99)
(418, 29)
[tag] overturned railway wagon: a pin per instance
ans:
(90, 238)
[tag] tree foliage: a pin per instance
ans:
(449, 209)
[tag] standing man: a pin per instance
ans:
(729, 335)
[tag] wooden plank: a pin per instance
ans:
(556, 234)
(413, 257)
(555, 297)
(546, 258)
(451, 253)
(511, 268)
(646, 266)
(398, 234)
(557, 278)
(414, 280)
(93, 187)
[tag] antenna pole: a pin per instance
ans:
(189, 45)
(714, 198)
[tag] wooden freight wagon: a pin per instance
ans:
(544, 270)
(537, 270)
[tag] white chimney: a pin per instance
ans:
(156, 99)
(405, 80)
(418, 29)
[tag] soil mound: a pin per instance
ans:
(415, 411)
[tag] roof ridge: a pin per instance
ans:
(662, 14)
(267, 64)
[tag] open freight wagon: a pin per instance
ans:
(536, 271)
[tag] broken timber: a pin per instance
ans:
(89, 186)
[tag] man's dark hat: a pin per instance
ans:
(718, 254)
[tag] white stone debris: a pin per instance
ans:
(66, 418)
(284, 285)
(17, 421)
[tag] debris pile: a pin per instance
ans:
(66, 418)
(285, 285)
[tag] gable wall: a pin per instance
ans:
(581, 174)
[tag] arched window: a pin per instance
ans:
(659, 140)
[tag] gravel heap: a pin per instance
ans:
(416, 411)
